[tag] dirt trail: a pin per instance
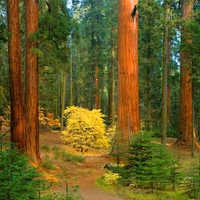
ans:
(86, 173)
(89, 191)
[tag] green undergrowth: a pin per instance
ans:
(139, 194)
(19, 180)
(57, 153)
(65, 156)
(46, 148)
(47, 162)
(157, 195)
(152, 172)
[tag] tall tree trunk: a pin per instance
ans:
(71, 79)
(97, 90)
(111, 103)
(15, 72)
(112, 87)
(165, 76)
(186, 100)
(148, 121)
(128, 105)
(168, 85)
(64, 80)
(31, 90)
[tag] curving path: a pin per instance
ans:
(89, 191)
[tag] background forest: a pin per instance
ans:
(86, 53)
(77, 50)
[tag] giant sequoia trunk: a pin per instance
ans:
(15, 73)
(186, 108)
(31, 91)
(128, 105)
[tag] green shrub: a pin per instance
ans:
(45, 147)
(67, 157)
(59, 196)
(191, 182)
(57, 152)
(47, 162)
(55, 148)
(18, 179)
(71, 158)
(84, 129)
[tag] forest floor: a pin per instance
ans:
(92, 168)
(83, 174)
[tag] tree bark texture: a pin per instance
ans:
(148, 121)
(97, 89)
(15, 73)
(31, 90)
(112, 87)
(186, 100)
(165, 77)
(128, 105)
(71, 79)
(64, 82)
(111, 94)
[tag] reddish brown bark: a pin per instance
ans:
(186, 108)
(15, 73)
(128, 105)
(31, 90)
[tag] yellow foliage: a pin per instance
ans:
(111, 178)
(84, 128)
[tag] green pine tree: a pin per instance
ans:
(151, 165)
(192, 179)
(18, 179)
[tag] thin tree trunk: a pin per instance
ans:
(15, 73)
(111, 103)
(128, 105)
(31, 90)
(63, 99)
(112, 88)
(148, 122)
(97, 90)
(168, 85)
(165, 77)
(71, 79)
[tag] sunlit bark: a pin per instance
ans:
(128, 105)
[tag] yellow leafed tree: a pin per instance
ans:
(84, 128)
